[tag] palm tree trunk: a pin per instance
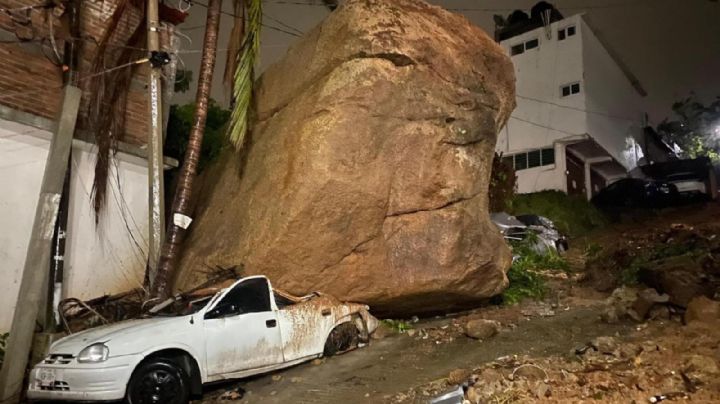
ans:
(181, 203)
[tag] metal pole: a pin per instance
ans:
(156, 190)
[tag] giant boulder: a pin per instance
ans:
(366, 174)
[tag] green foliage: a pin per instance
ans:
(524, 274)
(3, 345)
(502, 185)
(179, 127)
(592, 250)
(398, 325)
(245, 74)
(183, 78)
(696, 128)
(572, 215)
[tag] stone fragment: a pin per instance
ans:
(458, 376)
(702, 309)
(701, 369)
(481, 328)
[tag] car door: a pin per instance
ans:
(241, 329)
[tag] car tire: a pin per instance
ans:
(158, 381)
(342, 338)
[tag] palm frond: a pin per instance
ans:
(234, 43)
(245, 74)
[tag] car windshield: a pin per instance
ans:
(183, 307)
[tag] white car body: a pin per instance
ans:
(233, 346)
(687, 183)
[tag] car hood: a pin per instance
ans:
(73, 344)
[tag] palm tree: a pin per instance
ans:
(241, 61)
(245, 74)
(181, 202)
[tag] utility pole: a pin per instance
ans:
(156, 191)
(33, 284)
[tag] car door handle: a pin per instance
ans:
(271, 323)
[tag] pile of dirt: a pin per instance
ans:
(680, 260)
(367, 172)
(662, 360)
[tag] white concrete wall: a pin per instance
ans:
(551, 177)
(542, 116)
(615, 117)
(99, 260)
(607, 108)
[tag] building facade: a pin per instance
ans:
(579, 111)
(100, 258)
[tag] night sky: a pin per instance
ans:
(672, 46)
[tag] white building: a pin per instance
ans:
(579, 111)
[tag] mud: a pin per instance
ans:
(379, 371)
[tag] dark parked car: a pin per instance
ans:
(633, 193)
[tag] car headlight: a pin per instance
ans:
(94, 353)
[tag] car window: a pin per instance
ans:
(249, 296)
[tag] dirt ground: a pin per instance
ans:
(556, 350)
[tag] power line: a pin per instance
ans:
(542, 126)
(262, 23)
(576, 108)
(588, 7)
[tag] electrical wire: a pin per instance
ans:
(262, 23)
(589, 7)
(27, 93)
(576, 108)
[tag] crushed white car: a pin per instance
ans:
(245, 329)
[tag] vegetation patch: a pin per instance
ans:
(3, 345)
(398, 325)
(525, 274)
(572, 215)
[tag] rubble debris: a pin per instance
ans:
(702, 309)
(481, 329)
(236, 393)
(646, 299)
(452, 397)
(700, 369)
(458, 376)
(678, 260)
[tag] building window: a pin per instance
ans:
(566, 32)
(532, 44)
(570, 89)
(525, 46)
(547, 156)
(531, 159)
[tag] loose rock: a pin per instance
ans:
(458, 376)
(702, 309)
(481, 329)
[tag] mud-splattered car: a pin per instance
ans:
(244, 329)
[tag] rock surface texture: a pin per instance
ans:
(367, 172)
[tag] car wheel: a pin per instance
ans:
(158, 381)
(342, 338)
